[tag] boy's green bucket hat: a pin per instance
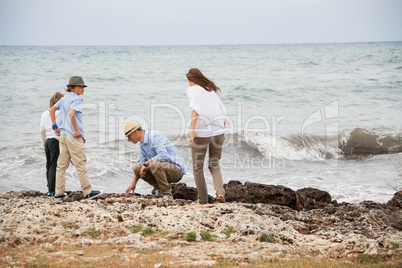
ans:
(76, 81)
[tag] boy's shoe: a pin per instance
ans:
(61, 196)
(92, 195)
(168, 196)
(50, 194)
(221, 199)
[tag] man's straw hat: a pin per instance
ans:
(130, 127)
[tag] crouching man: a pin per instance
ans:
(159, 163)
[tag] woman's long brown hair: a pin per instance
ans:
(195, 76)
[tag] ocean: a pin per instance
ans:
(327, 116)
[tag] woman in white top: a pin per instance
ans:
(207, 132)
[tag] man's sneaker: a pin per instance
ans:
(92, 195)
(50, 194)
(220, 198)
(168, 196)
(157, 193)
(61, 196)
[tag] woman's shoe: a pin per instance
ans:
(221, 199)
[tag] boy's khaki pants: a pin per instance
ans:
(72, 148)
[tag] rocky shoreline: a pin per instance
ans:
(303, 223)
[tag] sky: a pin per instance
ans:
(198, 22)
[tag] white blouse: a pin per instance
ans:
(210, 109)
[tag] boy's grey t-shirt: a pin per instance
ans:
(70, 101)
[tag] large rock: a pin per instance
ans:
(311, 198)
(259, 193)
(396, 201)
(395, 215)
(182, 191)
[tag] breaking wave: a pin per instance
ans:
(316, 147)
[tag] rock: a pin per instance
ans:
(394, 217)
(311, 198)
(260, 193)
(337, 231)
(79, 252)
(127, 240)
(249, 229)
(182, 191)
(372, 250)
(396, 200)
(255, 256)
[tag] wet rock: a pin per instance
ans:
(311, 198)
(396, 200)
(394, 217)
(260, 193)
(182, 191)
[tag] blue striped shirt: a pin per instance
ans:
(70, 101)
(159, 148)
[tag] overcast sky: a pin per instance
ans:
(197, 22)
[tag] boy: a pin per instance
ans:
(71, 131)
(51, 143)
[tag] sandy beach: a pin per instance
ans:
(134, 231)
